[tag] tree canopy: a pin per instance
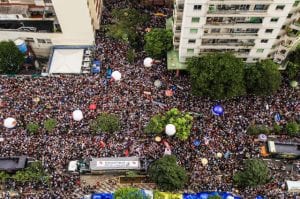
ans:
(182, 121)
(129, 193)
(263, 78)
(293, 66)
(255, 173)
(126, 23)
(158, 42)
(218, 75)
(167, 174)
(10, 57)
(106, 122)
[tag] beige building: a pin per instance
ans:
(252, 29)
(44, 23)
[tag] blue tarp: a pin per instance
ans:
(206, 195)
(102, 196)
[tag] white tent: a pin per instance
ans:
(293, 186)
(66, 61)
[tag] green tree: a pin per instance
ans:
(263, 78)
(292, 128)
(10, 57)
(156, 125)
(3, 176)
(32, 127)
(277, 128)
(50, 124)
(258, 129)
(182, 121)
(158, 42)
(129, 193)
(105, 122)
(126, 23)
(218, 75)
(254, 174)
(167, 174)
(293, 66)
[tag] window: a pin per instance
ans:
(41, 41)
(280, 7)
(215, 30)
(190, 50)
(264, 41)
(256, 59)
(194, 30)
(29, 39)
(274, 19)
(278, 37)
(261, 7)
(260, 50)
(48, 41)
(195, 19)
(269, 31)
(192, 41)
(289, 16)
(197, 7)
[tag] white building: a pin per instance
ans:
(252, 29)
(44, 23)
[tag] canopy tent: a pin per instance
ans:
(293, 186)
(66, 61)
(206, 195)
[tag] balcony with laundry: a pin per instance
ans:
(237, 9)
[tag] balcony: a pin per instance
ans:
(233, 20)
(44, 26)
(222, 34)
(242, 44)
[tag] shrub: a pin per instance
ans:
(155, 125)
(32, 127)
(50, 124)
(277, 129)
(258, 129)
(105, 122)
(292, 128)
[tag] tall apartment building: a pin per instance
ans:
(44, 23)
(252, 29)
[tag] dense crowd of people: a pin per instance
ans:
(59, 96)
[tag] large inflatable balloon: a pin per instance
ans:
(116, 75)
(157, 83)
(148, 62)
(77, 115)
(217, 110)
(170, 129)
(10, 122)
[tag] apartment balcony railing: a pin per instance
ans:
(231, 34)
(236, 11)
(244, 44)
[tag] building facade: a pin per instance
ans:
(44, 23)
(251, 29)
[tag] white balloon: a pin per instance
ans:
(204, 161)
(148, 61)
(229, 197)
(10, 122)
(219, 155)
(157, 83)
(77, 115)
(170, 129)
(116, 75)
